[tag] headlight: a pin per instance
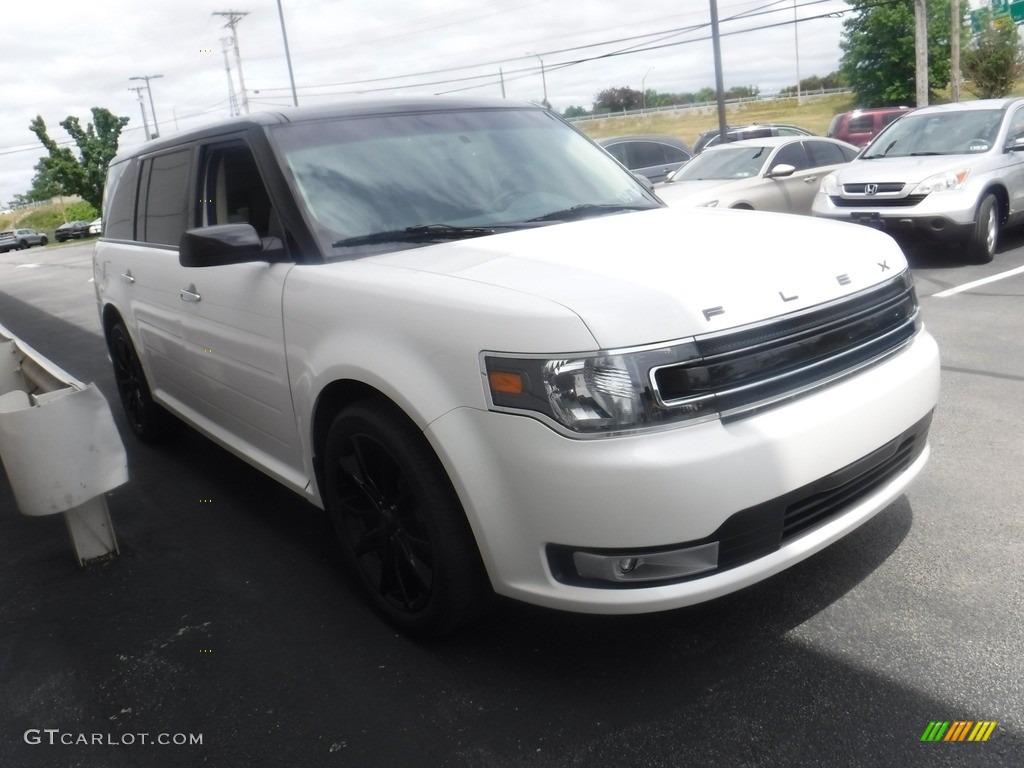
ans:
(942, 182)
(829, 185)
(599, 394)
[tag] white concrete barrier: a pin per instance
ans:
(59, 446)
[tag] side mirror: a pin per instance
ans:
(225, 244)
(781, 171)
(1017, 145)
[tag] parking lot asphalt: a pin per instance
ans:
(229, 629)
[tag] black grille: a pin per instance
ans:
(756, 367)
(877, 202)
(761, 530)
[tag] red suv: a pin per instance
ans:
(860, 126)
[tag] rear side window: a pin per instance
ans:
(119, 200)
(861, 124)
(163, 204)
(824, 153)
(646, 153)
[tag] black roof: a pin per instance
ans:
(354, 108)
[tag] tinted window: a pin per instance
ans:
(618, 151)
(861, 124)
(119, 200)
(792, 154)
(886, 119)
(824, 153)
(164, 197)
(646, 153)
(789, 132)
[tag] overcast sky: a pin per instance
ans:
(62, 58)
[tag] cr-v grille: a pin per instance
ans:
(755, 367)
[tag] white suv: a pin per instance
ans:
(476, 340)
(954, 173)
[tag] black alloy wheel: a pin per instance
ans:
(148, 420)
(400, 523)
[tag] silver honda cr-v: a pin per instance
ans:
(953, 172)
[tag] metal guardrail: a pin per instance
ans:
(698, 105)
(60, 447)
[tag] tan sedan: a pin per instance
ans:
(779, 173)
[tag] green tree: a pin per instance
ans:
(618, 100)
(994, 61)
(85, 174)
(571, 112)
(878, 61)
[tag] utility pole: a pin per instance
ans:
(501, 76)
(716, 47)
(142, 106)
(233, 18)
(152, 109)
(287, 55)
(232, 101)
(954, 52)
(921, 51)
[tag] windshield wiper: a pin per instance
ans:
(883, 153)
(585, 210)
(421, 233)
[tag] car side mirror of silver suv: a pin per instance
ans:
(1017, 144)
(227, 244)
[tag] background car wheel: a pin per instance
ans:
(401, 526)
(44, 241)
(148, 421)
(23, 245)
(981, 247)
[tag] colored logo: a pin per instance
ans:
(958, 730)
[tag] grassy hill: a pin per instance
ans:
(46, 218)
(814, 114)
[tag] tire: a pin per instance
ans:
(43, 240)
(400, 523)
(23, 245)
(981, 246)
(149, 421)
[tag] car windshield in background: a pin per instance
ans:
(364, 178)
(938, 133)
(724, 163)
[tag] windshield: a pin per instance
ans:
(724, 163)
(363, 179)
(940, 133)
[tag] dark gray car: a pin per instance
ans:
(652, 156)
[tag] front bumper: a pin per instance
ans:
(530, 493)
(940, 215)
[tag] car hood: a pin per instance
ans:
(909, 170)
(651, 276)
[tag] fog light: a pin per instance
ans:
(647, 566)
(627, 564)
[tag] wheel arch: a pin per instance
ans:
(331, 400)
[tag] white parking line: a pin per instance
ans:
(976, 283)
(26, 266)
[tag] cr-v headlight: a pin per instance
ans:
(830, 185)
(599, 394)
(942, 182)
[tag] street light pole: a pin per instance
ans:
(152, 110)
(543, 77)
(643, 90)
